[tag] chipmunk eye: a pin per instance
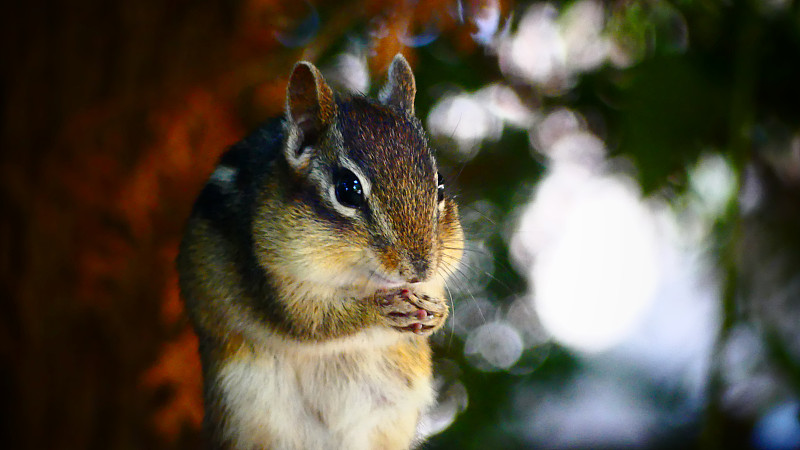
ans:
(439, 187)
(348, 189)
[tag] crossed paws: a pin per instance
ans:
(405, 310)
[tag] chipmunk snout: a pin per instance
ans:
(418, 268)
(421, 266)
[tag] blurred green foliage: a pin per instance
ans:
(117, 111)
(708, 76)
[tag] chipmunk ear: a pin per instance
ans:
(310, 108)
(400, 88)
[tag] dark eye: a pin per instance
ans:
(348, 189)
(439, 187)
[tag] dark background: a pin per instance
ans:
(113, 115)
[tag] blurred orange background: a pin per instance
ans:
(114, 114)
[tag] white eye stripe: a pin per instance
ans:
(366, 186)
(343, 210)
(330, 182)
(378, 215)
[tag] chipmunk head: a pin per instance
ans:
(367, 205)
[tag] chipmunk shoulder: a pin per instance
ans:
(313, 269)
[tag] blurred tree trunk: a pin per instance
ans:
(112, 115)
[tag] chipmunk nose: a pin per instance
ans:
(420, 270)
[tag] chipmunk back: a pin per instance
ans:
(313, 269)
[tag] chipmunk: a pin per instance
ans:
(313, 268)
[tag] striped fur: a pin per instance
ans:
(283, 284)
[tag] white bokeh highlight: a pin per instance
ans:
(596, 278)
(497, 346)
(472, 119)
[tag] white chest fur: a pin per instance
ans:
(331, 396)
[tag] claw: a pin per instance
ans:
(412, 312)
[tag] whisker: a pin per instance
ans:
(467, 249)
(468, 292)
(452, 316)
(479, 272)
(461, 269)
(477, 211)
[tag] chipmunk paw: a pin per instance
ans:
(405, 310)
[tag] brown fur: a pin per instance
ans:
(295, 296)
